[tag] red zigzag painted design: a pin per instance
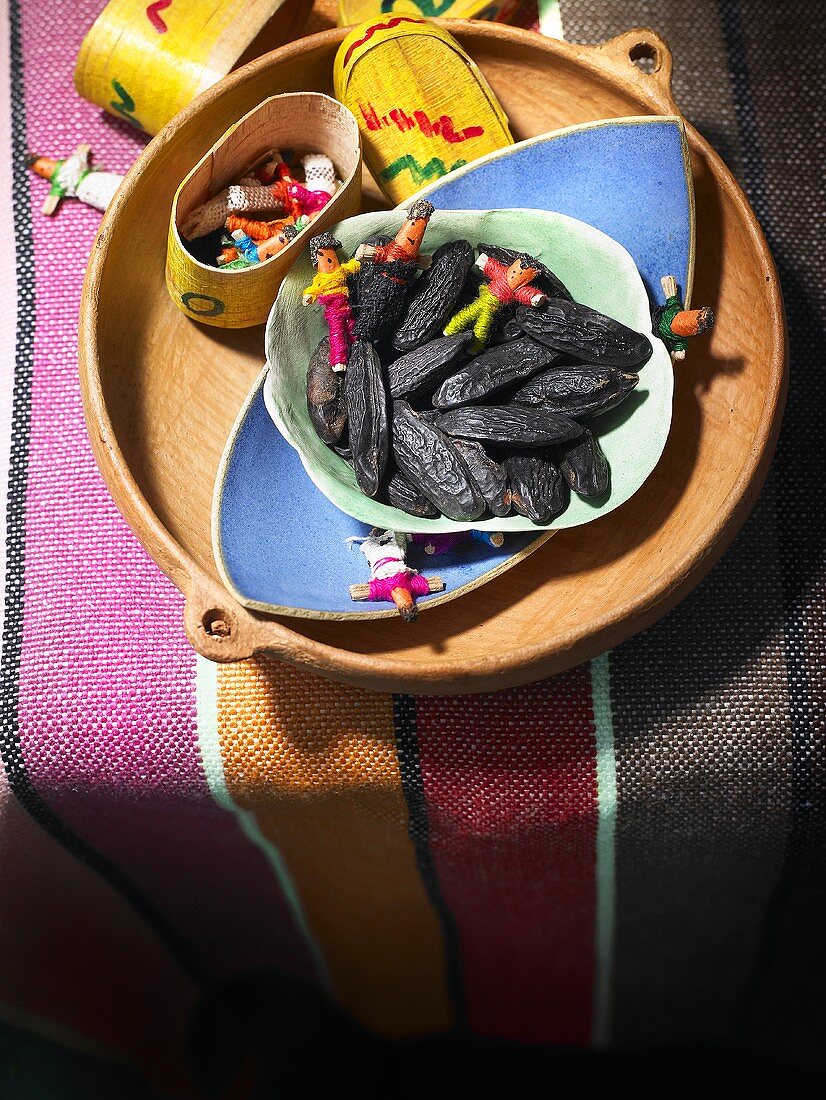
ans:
(153, 16)
(441, 127)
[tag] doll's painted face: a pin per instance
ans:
(411, 235)
(327, 260)
(518, 275)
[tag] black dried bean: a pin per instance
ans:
(418, 372)
(435, 295)
(402, 493)
(326, 397)
(585, 334)
(538, 490)
(584, 466)
(367, 416)
(490, 476)
(427, 458)
(521, 426)
(493, 371)
(578, 392)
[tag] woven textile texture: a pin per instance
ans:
(627, 855)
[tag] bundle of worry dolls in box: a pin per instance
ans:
(257, 217)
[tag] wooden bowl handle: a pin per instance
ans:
(643, 57)
(220, 629)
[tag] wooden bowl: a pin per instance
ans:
(158, 426)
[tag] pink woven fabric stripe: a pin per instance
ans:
(8, 280)
(107, 698)
(75, 956)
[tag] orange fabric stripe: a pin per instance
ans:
(316, 763)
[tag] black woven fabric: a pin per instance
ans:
(719, 709)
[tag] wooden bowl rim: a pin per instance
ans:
(519, 665)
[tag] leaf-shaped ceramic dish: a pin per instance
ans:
(597, 271)
(281, 547)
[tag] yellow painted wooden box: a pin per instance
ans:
(145, 61)
(301, 121)
(422, 105)
(356, 11)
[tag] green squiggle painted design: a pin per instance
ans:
(421, 173)
(125, 106)
(426, 7)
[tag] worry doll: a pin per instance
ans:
(329, 289)
(394, 266)
(503, 285)
(244, 251)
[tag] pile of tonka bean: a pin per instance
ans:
(433, 430)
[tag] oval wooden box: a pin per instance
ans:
(301, 121)
(144, 62)
(158, 429)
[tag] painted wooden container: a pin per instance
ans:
(422, 105)
(356, 11)
(144, 61)
(301, 122)
(159, 428)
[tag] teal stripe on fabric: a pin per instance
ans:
(206, 698)
(606, 828)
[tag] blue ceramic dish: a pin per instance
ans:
(280, 544)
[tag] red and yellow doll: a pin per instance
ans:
(505, 284)
(329, 289)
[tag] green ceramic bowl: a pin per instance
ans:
(597, 271)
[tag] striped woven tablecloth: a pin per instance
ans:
(629, 854)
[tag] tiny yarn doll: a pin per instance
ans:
(212, 214)
(396, 263)
(329, 289)
(74, 178)
(249, 252)
(258, 230)
(391, 578)
(286, 193)
(441, 544)
(319, 185)
(504, 284)
(674, 324)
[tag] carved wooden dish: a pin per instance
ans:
(162, 393)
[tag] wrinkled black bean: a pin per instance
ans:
(505, 327)
(522, 426)
(418, 372)
(435, 295)
(367, 416)
(402, 493)
(584, 466)
(490, 476)
(427, 458)
(578, 393)
(537, 488)
(585, 334)
(326, 397)
(493, 371)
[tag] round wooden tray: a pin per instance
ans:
(161, 394)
